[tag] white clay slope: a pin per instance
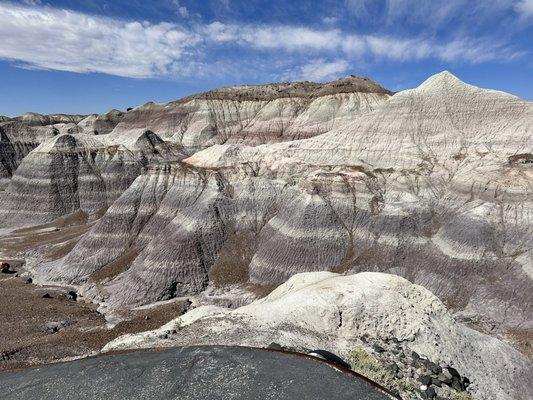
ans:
(333, 312)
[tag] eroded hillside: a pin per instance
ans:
(220, 197)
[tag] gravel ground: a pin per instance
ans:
(37, 330)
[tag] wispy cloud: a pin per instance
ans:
(64, 40)
(431, 13)
(181, 9)
(44, 37)
(329, 20)
(319, 70)
(289, 38)
(525, 8)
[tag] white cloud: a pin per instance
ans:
(430, 15)
(289, 38)
(182, 10)
(525, 8)
(320, 70)
(297, 39)
(70, 41)
(475, 51)
(329, 20)
(401, 49)
(51, 38)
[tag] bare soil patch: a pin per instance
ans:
(27, 321)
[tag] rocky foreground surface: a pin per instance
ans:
(378, 313)
(191, 373)
(220, 197)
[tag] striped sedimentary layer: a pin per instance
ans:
(435, 186)
(257, 114)
(16, 141)
(20, 135)
(100, 124)
(249, 114)
(76, 172)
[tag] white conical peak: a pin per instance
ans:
(444, 79)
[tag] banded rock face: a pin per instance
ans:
(20, 135)
(431, 186)
(78, 172)
(434, 185)
(257, 114)
(251, 114)
(100, 124)
(330, 311)
(16, 141)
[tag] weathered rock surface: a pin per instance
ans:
(78, 172)
(36, 119)
(250, 114)
(334, 312)
(17, 139)
(427, 186)
(257, 114)
(190, 373)
(433, 184)
(100, 124)
(20, 135)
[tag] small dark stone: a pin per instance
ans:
(425, 380)
(457, 384)
(445, 378)
(378, 349)
(466, 382)
(29, 280)
(5, 268)
(430, 393)
(275, 346)
(47, 296)
(453, 372)
(72, 295)
(129, 108)
(436, 382)
(436, 369)
(415, 355)
(146, 317)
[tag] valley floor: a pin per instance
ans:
(42, 325)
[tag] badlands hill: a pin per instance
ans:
(251, 114)
(433, 185)
(257, 114)
(222, 196)
(20, 135)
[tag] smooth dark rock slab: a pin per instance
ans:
(187, 373)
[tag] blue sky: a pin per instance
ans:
(89, 56)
